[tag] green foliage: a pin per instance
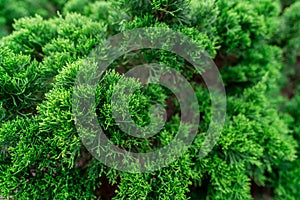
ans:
(290, 37)
(34, 54)
(254, 44)
(15, 9)
(20, 84)
(168, 11)
(289, 182)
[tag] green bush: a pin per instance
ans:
(255, 44)
(15, 9)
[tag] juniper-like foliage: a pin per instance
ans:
(255, 45)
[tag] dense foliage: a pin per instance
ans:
(256, 46)
(15, 9)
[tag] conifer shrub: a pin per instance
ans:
(15, 9)
(255, 45)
